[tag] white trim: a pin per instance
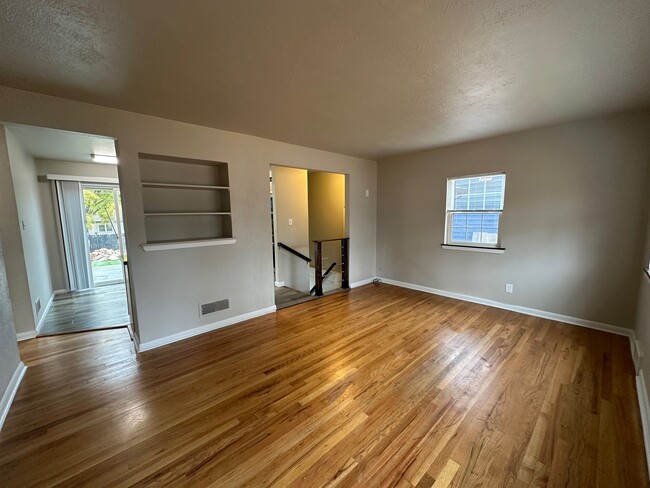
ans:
(151, 184)
(24, 336)
(460, 247)
(41, 320)
(644, 410)
(637, 353)
(10, 393)
(163, 341)
(82, 179)
(614, 329)
(279, 284)
(134, 336)
(164, 246)
(367, 281)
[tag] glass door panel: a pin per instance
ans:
(105, 233)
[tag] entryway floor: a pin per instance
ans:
(285, 297)
(102, 307)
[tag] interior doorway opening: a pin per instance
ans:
(72, 227)
(307, 206)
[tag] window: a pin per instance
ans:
(474, 208)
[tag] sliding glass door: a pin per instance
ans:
(105, 233)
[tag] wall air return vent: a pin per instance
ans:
(212, 307)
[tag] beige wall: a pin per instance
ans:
(290, 202)
(642, 323)
(327, 214)
(170, 284)
(9, 358)
(73, 168)
(13, 245)
(573, 226)
(26, 188)
(58, 273)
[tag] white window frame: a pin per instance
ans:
(449, 213)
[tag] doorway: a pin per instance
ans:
(306, 205)
(73, 234)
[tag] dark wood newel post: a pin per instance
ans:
(318, 268)
(345, 265)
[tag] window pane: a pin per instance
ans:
(458, 224)
(474, 228)
(474, 213)
(460, 220)
(458, 235)
(490, 230)
(461, 202)
(479, 193)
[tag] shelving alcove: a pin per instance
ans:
(186, 202)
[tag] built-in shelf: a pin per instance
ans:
(182, 186)
(167, 245)
(186, 202)
(179, 214)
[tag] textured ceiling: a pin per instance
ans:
(368, 78)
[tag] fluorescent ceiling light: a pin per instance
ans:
(99, 158)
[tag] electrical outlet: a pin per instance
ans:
(510, 288)
(290, 221)
(367, 193)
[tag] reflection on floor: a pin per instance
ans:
(102, 307)
(285, 297)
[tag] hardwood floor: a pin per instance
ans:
(102, 307)
(381, 386)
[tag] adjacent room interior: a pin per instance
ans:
(73, 239)
(324, 244)
(308, 229)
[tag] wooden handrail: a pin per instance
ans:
(294, 252)
(318, 265)
(330, 240)
(325, 274)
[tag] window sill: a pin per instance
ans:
(491, 250)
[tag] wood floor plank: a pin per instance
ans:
(380, 386)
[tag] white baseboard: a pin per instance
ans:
(45, 310)
(9, 394)
(367, 281)
(23, 336)
(163, 341)
(644, 408)
(134, 336)
(637, 353)
(614, 329)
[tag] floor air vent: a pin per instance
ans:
(212, 307)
